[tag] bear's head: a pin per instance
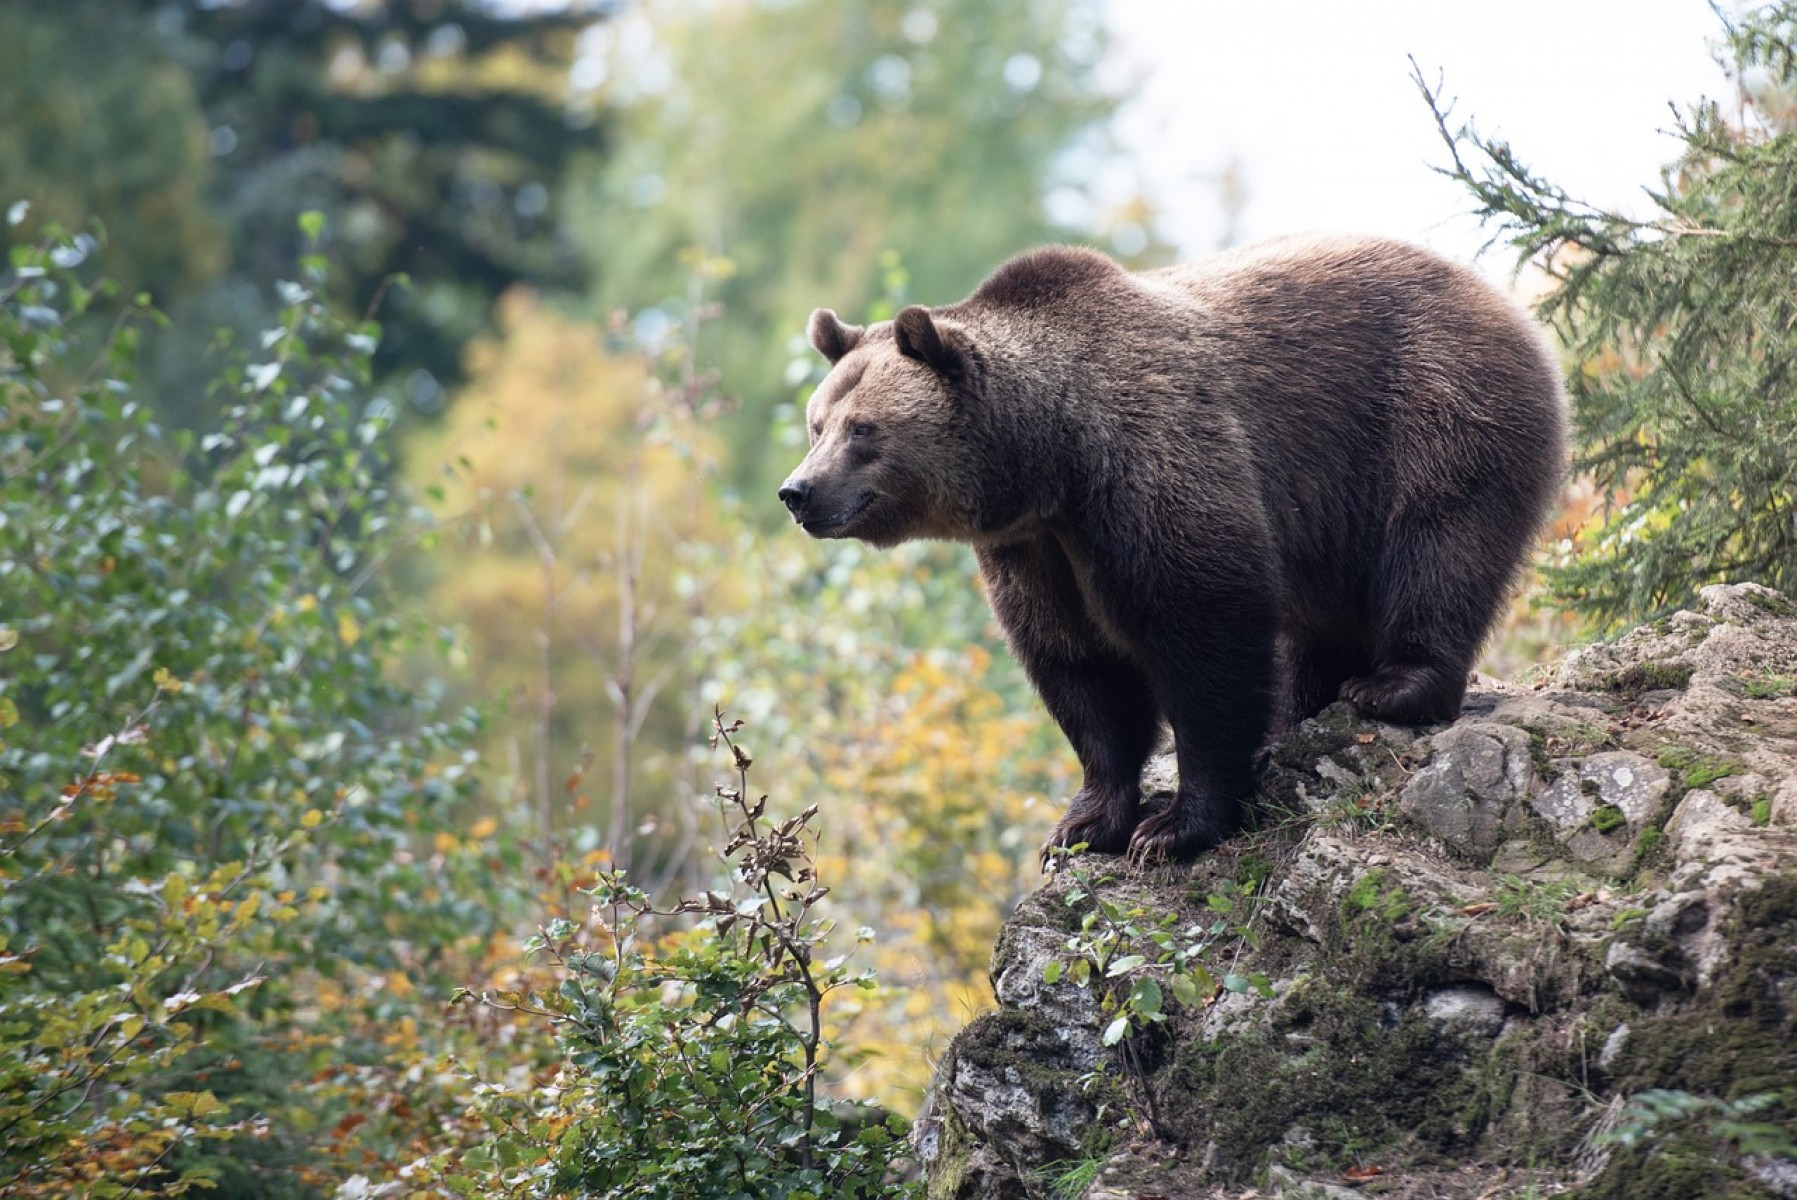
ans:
(888, 459)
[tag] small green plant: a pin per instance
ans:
(1135, 952)
(1358, 806)
(1606, 817)
(1770, 687)
(1137, 958)
(1651, 677)
(1539, 901)
(1068, 1180)
(1728, 1122)
(1375, 895)
(1761, 809)
(696, 1037)
(1647, 843)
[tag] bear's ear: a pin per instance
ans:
(919, 337)
(830, 336)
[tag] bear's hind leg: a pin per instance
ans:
(1313, 669)
(1443, 584)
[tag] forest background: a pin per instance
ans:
(385, 531)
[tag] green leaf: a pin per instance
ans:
(311, 223)
(1124, 965)
(1145, 996)
(1051, 971)
(1116, 1031)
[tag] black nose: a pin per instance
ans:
(795, 494)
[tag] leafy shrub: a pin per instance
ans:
(695, 1051)
(219, 823)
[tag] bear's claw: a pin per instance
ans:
(1170, 835)
(1090, 821)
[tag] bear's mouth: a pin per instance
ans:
(835, 522)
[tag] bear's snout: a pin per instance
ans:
(796, 495)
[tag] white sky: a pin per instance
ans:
(1315, 101)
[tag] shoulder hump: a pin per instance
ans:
(1043, 276)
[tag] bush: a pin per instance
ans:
(219, 822)
(695, 1051)
(236, 888)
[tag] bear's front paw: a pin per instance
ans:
(1099, 825)
(1175, 833)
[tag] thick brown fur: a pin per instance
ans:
(1218, 495)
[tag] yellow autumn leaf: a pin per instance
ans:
(348, 629)
(486, 827)
(197, 1104)
(312, 819)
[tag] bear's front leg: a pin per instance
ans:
(1103, 702)
(1107, 710)
(1213, 670)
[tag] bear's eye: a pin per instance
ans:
(817, 431)
(861, 429)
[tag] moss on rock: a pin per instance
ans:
(1736, 1039)
(1356, 1073)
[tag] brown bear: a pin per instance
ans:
(1219, 495)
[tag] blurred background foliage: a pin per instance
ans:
(436, 135)
(377, 546)
(341, 658)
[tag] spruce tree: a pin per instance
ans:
(1682, 329)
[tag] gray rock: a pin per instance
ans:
(1623, 787)
(1644, 974)
(1288, 1185)
(1778, 1175)
(1470, 1010)
(1477, 771)
(1742, 628)
(1614, 1045)
(1713, 842)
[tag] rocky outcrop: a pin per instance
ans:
(1548, 949)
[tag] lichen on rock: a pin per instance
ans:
(1475, 947)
